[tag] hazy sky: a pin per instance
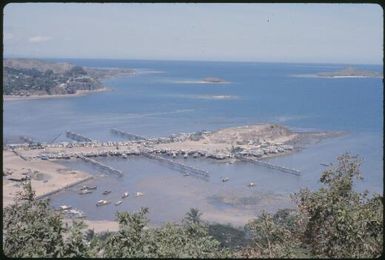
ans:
(335, 33)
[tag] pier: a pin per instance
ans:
(102, 166)
(77, 137)
(179, 166)
(273, 166)
(126, 135)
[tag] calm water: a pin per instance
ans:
(158, 102)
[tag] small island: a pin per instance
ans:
(33, 78)
(351, 72)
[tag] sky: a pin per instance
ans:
(308, 33)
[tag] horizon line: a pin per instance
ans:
(190, 60)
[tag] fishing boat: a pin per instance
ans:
(82, 192)
(125, 195)
(118, 203)
(102, 203)
(65, 207)
(139, 194)
(106, 192)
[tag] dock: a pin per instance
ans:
(126, 135)
(191, 171)
(78, 137)
(273, 166)
(102, 166)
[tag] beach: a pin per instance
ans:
(46, 176)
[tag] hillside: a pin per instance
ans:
(25, 77)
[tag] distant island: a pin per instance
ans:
(351, 72)
(40, 78)
(348, 72)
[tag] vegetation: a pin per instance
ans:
(38, 80)
(334, 221)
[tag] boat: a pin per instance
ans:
(324, 164)
(186, 174)
(106, 192)
(82, 192)
(185, 156)
(84, 187)
(65, 207)
(118, 203)
(225, 179)
(124, 156)
(125, 195)
(139, 194)
(251, 184)
(102, 203)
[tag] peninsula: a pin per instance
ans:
(33, 78)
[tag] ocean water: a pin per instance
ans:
(165, 97)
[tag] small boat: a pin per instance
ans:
(84, 187)
(225, 179)
(102, 203)
(65, 207)
(124, 156)
(82, 192)
(185, 156)
(251, 184)
(125, 195)
(324, 164)
(106, 192)
(186, 174)
(118, 203)
(139, 194)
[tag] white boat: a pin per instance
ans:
(251, 184)
(225, 179)
(139, 194)
(102, 203)
(65, 207)
(125, 195)
(118, 203)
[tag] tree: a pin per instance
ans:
(340, 222)
(33, 229)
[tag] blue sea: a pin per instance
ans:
(165, 97)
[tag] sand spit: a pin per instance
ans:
(45, 176)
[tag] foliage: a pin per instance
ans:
(171, 240)
(229, 236)
(341, 222)
(32, 229)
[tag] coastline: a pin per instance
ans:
(78, 93)
(47, 177)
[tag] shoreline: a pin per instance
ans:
(78, 93)
(47, 177)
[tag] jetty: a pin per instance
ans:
(78, 137)
(272, 166)
(129, 136)
(102, 166)
(179, 166)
